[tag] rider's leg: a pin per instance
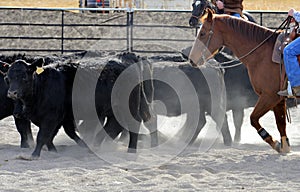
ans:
(292, 68)
(236, 15)
(291, 63)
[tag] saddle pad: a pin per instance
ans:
(277, 53)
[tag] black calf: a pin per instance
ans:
(43, 93)
(7, 109)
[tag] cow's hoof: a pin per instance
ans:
(81, 143)
(237, 139)
(28, 158)
(227, 142)
(25, 145)
(130, 150)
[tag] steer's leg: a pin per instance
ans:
(152, 127)
(50, 144)
(134, 127)
(24, 128)
(69, 127)
(133, 139)
(111, 128)
(225, 132)
(44, 135)
(201, 123)
(238, 115)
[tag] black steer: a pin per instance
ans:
(7, 109)
(97, 91)
(169, 97)
(43, 93)
(239, 95)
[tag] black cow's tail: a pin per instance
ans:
(146, 91)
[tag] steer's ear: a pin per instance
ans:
(4, 67)
(38, 63)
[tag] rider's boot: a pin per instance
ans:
(295, 92)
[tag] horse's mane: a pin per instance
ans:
(251, 30)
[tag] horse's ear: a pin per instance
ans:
(210, 15)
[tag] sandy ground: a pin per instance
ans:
(249, 166)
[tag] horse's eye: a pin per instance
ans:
(202, 34)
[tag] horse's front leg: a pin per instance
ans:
(263, 105)
(280, 116)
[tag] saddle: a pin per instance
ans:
(283, 40)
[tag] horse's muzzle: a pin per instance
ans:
(193, 64)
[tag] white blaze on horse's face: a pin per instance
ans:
(199, 52)
(197, 2)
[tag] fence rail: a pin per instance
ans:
(130, 28)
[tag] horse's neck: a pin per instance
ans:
(233, 39)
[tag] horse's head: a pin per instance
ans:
(208, 41)
(199, 9)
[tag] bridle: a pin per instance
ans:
(197, 17)
(210, 33)
(195, 4)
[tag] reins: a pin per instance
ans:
(283, 25)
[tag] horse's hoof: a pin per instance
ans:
(285, 145)
(277, 146)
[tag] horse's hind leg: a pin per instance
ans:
(280, 116)
(263, 105)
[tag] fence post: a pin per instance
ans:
(129, 29)
(62, 31)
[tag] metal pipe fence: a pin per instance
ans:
(62, 42)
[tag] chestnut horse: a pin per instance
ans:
(253, 45)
